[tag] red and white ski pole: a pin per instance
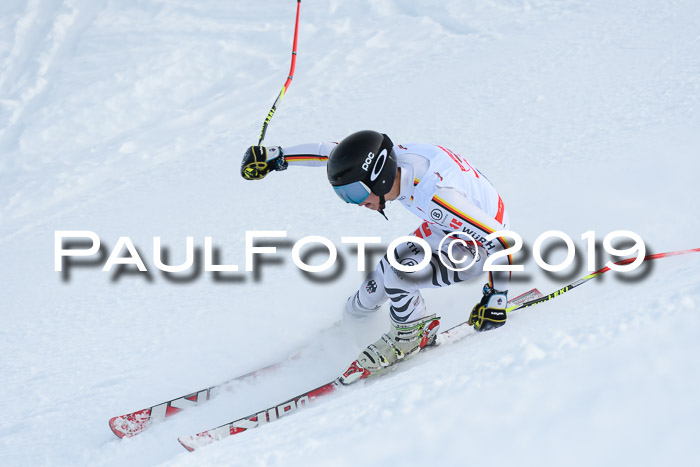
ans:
(287, 83)
(596, 274)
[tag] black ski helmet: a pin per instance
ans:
(366, 156)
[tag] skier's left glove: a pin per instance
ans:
(258, 161)
(490, 312)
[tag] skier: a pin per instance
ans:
(437, 185)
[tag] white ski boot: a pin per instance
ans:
(402, 340)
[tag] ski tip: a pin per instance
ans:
(197, 441)
(126, 426)
(184, 440)
(114, 425)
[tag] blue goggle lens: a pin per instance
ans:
(354, 193)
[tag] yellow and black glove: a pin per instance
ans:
(490, 312)
(258, 161)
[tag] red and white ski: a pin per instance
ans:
(258, 419)
(131, 424)
(530, 298)
(290, 406)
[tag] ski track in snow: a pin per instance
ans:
(130, 118)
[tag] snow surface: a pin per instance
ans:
(129, 118)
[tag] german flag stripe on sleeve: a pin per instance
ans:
(305, 157)
(471, 221)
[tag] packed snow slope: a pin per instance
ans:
(129, 119)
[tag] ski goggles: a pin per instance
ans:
(354, 193)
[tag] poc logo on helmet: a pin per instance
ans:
(368, 161)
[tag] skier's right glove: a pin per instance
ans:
(258, 161)
(490, 312)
